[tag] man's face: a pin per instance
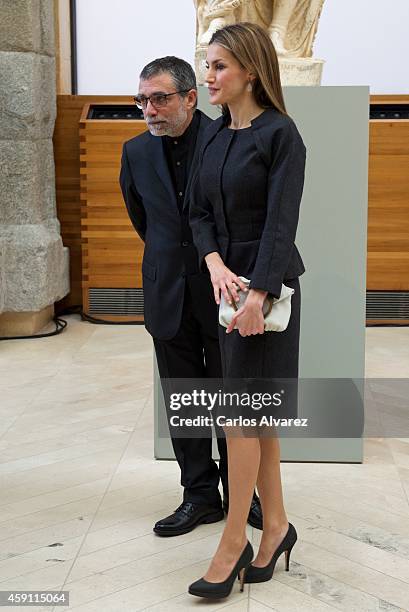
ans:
(173, 118)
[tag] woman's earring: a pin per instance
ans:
(249, 87)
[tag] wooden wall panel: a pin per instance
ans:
(111, 250)
(388, 201)
(67, 176)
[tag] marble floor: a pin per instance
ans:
(80, 491)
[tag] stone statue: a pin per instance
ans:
(292, 25)
(215, 14)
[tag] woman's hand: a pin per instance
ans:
(223, 279)
(249, 319)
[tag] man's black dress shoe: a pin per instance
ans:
(255, 518)
(185, 518)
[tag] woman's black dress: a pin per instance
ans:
(244, 177)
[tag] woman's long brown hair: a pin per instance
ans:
(250, 44)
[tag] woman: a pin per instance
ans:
(244, 215)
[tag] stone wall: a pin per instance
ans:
(34, 263)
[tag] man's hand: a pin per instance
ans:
(223, 279)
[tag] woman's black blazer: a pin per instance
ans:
(276, 257)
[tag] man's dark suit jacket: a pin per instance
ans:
(269, 242)
(150, 198)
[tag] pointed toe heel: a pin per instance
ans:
(220, 590)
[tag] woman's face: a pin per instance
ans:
(227, 80)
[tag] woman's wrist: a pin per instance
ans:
(213, 259)
(256, 297)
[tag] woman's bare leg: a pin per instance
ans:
(275, 523)
(243, 465)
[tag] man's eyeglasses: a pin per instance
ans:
(158, 100)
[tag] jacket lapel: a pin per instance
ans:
(205, 122)
(157, 158)
(210, 133)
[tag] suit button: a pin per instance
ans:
(185, 243)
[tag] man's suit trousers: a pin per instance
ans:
(194, 353)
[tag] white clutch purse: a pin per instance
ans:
(277, 311)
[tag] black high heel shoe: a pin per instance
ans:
(219, 590)
(262, 574)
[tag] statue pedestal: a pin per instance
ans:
(300, 71)
(294, 71)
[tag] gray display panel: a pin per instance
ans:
(332, 240)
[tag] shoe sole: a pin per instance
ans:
(212, 518)
(208, 595)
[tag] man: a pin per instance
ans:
(180, 312)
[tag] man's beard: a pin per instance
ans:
(169, 127)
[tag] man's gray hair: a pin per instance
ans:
(182, 73)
